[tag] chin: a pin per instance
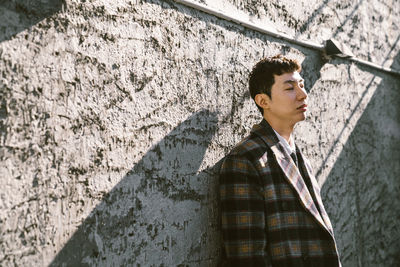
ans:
(302, 117)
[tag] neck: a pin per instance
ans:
(285, 130)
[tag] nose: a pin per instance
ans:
(301, 92)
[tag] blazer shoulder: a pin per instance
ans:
(242, 164)
(250, 149)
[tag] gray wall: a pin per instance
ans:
(115, 115)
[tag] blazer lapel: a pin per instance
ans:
(291, 172)
(316, 188)
(293, 175)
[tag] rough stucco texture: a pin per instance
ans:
(114, 116)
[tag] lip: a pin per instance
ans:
(303, 107)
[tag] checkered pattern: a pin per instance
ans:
(269, 215)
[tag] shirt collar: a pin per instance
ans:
(289, 148)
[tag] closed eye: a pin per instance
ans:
(293, 83)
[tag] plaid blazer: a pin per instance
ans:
(269, 215)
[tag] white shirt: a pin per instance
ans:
(288, 147)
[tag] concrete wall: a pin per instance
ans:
(115, 115)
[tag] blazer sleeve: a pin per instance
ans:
(242, 213)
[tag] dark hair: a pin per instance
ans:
(261, 77)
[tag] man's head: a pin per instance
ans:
(278, 90)
(262, 77)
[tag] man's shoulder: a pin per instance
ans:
(244, 158)
(250, 147)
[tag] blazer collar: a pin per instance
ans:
(266, 133)
(292, 173)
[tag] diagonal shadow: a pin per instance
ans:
(312, 17)
(311, 73)
(361, 192)
(340, 27)
(311, 65)
(160, 211)
(18, 15)
(339, 137)
(395, 64)
(368, 87)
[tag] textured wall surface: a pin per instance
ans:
(114, 116)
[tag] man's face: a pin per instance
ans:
(287, 104)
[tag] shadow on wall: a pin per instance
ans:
(311, 65)
(362, 191)
(311, 70)
(18, 15)
(161, 212)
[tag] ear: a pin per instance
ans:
(262, 100)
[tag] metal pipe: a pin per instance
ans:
(375, 66)
(250, 25)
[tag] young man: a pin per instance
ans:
(272, 213)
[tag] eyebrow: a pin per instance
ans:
(293, 81)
